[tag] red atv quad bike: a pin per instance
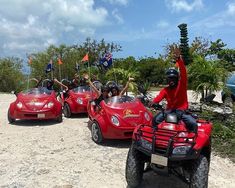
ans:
(35, 103)
(116, 118)
(170, 149)
(75, 100)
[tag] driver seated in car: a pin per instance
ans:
(176, 96)
(101, 94)
(115, 90)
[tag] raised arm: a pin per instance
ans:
(126, 86)
(58, 82)
(92, 85)
(182, 69)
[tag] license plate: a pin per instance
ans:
(158, 159)
(41, 115)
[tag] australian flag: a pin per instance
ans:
(49, 67)
(107, 60)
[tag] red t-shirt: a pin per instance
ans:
(177, 97)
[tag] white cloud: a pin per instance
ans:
(184, 5)
(162, 24)
(27, 25)
(221, 19)
(117, 16)
(119, 2)
(231, 8)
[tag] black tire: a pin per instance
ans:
(134, 167)
(96, 133)
(10, 119)
(199, 173)
(60, 118)
(67, 110)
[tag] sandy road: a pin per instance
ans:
(51, 155)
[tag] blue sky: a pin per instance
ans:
(141, 27)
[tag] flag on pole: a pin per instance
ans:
(30, 60)
(60, 61)
(77, 67)
(85, 58)
(107, 60)
(49, 67)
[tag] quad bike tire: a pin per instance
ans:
(10, 119)
(199, 173)
(67, 110)
(96, 133)
(134, 168)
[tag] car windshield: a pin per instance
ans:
(119, 100)
(37, 91)
(81, 89)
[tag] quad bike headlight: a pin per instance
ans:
(115, 120)
(19, 105)
(181, 150)
(147, 117)
(79, 101)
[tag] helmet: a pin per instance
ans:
(172, 73)
(105, 88)
(82, 81)
(172, 77)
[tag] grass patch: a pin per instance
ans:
(223, 134)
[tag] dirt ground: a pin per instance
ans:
(50, 155)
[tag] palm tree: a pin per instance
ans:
(206, 76)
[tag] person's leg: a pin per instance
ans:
(190, 122)
(157, 119)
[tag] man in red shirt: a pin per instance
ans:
(176, 96)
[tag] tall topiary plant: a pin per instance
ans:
(184, 47)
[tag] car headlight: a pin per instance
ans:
(79, 101)
(49, 105)
(181, 150)
(147, 117)
(19, 105)
(115, 120)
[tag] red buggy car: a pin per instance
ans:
(75, 100)
(116, 118)
(35, 103)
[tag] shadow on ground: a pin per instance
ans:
(35, 122)
(152, 180)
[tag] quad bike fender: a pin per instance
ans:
(202, 140)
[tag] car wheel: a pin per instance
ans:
(199, 173)
(96, 133)
(60, 118)
(66, 110)
(10, 119)
(134, 167)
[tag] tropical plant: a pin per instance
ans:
(11, 77)
(206, 76)
(121, 76)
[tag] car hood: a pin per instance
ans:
(83, 95)
(129, 113)
(35, 102)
